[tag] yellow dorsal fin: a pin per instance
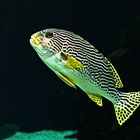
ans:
(118, 82)
(96, 98)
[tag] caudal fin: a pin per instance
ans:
(127, 104)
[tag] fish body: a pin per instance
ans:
(80, 64)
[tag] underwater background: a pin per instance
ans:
(33, 98)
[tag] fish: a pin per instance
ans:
(118, 53)
(80, 65)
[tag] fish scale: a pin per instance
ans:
(80, 64)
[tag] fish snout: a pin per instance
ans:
(35, 39)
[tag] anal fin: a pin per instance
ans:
(96, 98)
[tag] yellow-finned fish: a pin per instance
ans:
(80, 64)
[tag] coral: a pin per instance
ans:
(43, 135)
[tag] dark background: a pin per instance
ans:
(33, 98)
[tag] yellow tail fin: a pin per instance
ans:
(127, 104)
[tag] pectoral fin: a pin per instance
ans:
(71, 62)
(96, 98)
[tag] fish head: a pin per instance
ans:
(52, 41)
(52, 47)
(44, 44)
(55, 46)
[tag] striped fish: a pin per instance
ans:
(80, 64)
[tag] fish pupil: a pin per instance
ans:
(49, 35)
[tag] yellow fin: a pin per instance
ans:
(66, 80)
(118, 82)
(73, 63)
(126, 105)
(96, 98)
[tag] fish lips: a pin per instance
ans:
(47, 52)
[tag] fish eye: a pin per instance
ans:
(49, 35)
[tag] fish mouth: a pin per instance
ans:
(34, 40)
